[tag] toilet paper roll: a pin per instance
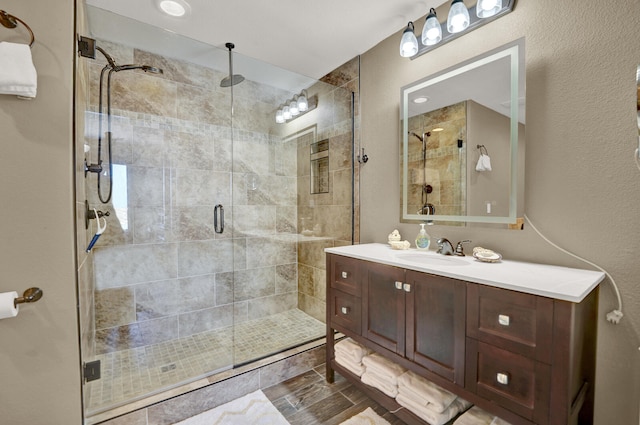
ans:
(7, 306)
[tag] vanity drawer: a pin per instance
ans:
(343, 273)
(345, 311)
(515, 382)
(521, 323)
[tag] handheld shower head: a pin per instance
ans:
(145, 68)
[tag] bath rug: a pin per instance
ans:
(366, 417)
(254, 409)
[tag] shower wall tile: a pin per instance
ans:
(150, 225)
(158, 330)
(224, 288)
(239, 253)
(251, 155)
(205, 320)
(267, 306)
(205, 257)
(254, 283)
(222, 148)
(312, 306)
(340, 152)
(312, 253)
(189, 150)
(194, 223)
(199, 187)
(201, 105)
(179, 71)
(128, 264)
(149, 147)
(286, 219)
(144, 93)
(114, 307)
(118, 338)
(286, 278)
(254, 221)
(263, 252)
(146, 186)
(271, 189)
(170, 297)
(240, 187)
(305, 280)
(286, 157)
(240, 312)
(342, 190)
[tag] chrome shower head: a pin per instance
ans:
(228, 82)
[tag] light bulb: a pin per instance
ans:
(409, 42)
(487, 8)
(303, 104)
(279, 117)
(458, 19)
(293, 108)
(432, 31)
(176, 8)
(286, 113)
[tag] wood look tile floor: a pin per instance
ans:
(308, 399)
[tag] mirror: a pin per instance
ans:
(462, 144)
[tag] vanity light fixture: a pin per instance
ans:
(432, 31)
(296, 107)
(175, 8)
(409, 42)
(461, 20)
(458, 19)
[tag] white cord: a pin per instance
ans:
(613, 316)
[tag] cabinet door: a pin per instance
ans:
(383, 306)
(435, 334)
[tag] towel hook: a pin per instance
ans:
(9, 21)
(480, 147)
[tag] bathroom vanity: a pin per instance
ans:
(517, 339)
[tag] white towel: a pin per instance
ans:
(437, 397)
(484, 163)
(351, 349)
(431, 416)
(374, 380)
(475, 416)
(17, 74)
(384, 368)
(351, 366)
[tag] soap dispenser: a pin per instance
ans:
(423, 240)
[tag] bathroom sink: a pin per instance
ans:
(431, 259)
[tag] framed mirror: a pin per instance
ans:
(462, 142)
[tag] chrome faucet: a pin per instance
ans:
(444, 247)
(460, 249)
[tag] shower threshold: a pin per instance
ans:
(132, 378)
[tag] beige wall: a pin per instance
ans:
(39, 360)
(581, 181)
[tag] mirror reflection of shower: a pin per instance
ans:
(427, 207)
(97, 167)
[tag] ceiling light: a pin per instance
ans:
(175, 8)
(487, 8)
(432, 31)
(409, 42)
(458, 19)
(421, 99)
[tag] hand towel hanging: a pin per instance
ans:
(17, 74)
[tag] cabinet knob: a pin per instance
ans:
(398, 285)
(503, 319)
(502, 378)
(407, 287)
(345, 275)
(345, 310)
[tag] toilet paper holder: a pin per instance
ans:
(30, 295)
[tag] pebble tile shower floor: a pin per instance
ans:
(129, 374)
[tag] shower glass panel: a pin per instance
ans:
(169, 297)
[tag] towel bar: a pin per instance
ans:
(10, 21)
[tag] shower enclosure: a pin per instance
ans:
(169, 293)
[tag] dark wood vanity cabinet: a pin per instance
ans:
(526, 358)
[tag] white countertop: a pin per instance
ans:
(556, 282)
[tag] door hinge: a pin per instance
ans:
(91, 371)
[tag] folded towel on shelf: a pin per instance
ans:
(351, 366)
(17, 74)
(350, 349)
(475, 416)
(435, 396)
(384, 368)
(431, 416)
(374, 380)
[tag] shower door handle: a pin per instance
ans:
(218, 211)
